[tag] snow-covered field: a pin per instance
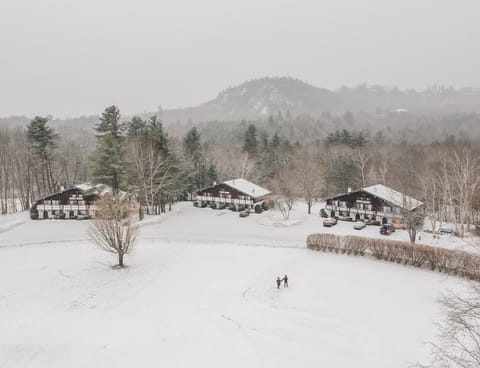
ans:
(200, 291)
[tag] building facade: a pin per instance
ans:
(377, 202)
(70, 203)
(238, 192)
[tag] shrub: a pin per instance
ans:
(460, 263)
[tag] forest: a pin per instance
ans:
(296, 157)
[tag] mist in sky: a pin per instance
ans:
(69, 58)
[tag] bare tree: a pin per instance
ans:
(114, 229)
(413, 222)
(153, 172)
(363, 161)
(284, 188)
(459, 338)
(432, 197)
(310, 173)
(465, 168)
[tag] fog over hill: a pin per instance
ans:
(259, 98)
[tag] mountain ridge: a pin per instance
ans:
(261, 97)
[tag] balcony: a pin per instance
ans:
(224, 200)
(364, 212)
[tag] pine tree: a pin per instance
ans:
(41, 141)
(195, 175)
(191, 145)
(109, 165)
(137, 127)
(158, 135)
(250, 144)
(212, 174)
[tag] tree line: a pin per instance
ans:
(295, 159)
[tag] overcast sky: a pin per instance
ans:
(67, 58)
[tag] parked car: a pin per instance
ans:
(84, 217)
(244, 213)
(60, 216)
(323, 213)
(387, 229)
(359, 225)
(329, 222)
(373, 222)
(445, 231)
(344, 218)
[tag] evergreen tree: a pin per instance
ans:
(137, 127)
(212, 174)
(41, 141)
(158, 135)
(275, 141)
(191, 145)
(250, 144)
(264, 143)
(196, 170)
(108, 159)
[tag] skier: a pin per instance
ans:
(279, 281)
(285, 281)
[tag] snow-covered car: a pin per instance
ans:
(329, 222)
(359, 225)
(244, 213)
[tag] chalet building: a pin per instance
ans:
(70, 203)
(377, 202)
(233, 192)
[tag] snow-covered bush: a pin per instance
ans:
(455, 262)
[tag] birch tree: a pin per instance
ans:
(311, 176)
(466, 178)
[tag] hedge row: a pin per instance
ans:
(455, 262)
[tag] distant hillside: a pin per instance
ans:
(259, 98)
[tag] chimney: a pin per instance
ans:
(349, 190)
(62, 188)
(214, 183)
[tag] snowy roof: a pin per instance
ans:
(98, 189)
(396, 198)
(84, 187)
(247, 187)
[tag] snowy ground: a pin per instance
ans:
(199, 291)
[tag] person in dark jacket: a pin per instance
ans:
(285, 281)
(279, 281)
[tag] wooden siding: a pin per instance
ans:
(223, 193)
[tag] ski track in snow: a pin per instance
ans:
(11, 227)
